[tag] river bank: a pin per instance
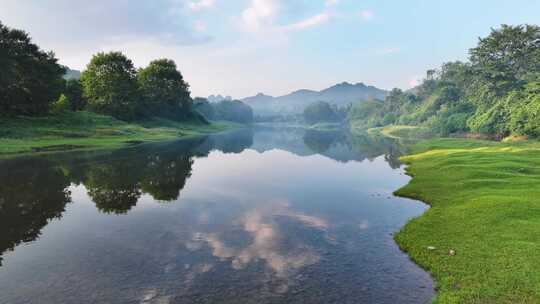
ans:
(85, 130)
(480, 237)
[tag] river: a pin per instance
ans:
(273, 214)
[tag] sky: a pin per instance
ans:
(243, 47)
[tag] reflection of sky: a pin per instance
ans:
(266, 235)
(260, 219)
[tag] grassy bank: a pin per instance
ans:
(85, 130)
(402, 132)
(485, 199)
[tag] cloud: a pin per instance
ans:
(200, 5)
(260, 13)
(310, 22)
(366, 15)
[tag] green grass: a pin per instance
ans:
(85, 130)
(402, 132)
(485, 199)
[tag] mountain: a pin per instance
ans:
(218, 98)
(72, 74)
(340, 95)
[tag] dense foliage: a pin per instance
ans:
(33, 83)
(233, 110)
(322, 111)
(30, 79)
(74, 94)
(497, 92)
(230, 110)
(204, 107)
(110, 85)
(163, 89)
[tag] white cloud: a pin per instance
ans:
(310, 22)
(200, 5)
(260, 13)
(331, 2)
(366, 15)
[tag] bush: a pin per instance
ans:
(60, 106)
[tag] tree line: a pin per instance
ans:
(495, 92)
(32, 84)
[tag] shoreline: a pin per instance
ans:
(478, 239)
(88, 131)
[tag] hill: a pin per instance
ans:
(340, 95)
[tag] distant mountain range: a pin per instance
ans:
(72, 74)
(341, 95)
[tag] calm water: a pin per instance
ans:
(270, 215)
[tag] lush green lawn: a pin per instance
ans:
(83, 130)
(485, 199)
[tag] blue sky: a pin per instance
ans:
(242, 47)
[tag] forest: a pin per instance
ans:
(495, 93)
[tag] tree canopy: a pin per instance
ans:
(495, 92)
(110, 85)
(164, 91)
(30, 78)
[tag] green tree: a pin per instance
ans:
(507, 56)
(110, 86)
(203, 106)
(233, 110)
(320, 111)
(164, 91)
(74, 93)
(30, 79)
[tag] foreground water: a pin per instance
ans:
(270, 215)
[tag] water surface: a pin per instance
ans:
(269, 215)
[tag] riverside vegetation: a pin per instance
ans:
(480, 238)
(112, 103)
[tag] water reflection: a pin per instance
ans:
(270, 215)
(25, 205)
(34, 190)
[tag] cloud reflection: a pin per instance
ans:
(281, 254)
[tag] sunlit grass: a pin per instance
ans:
(485, 199)
(84, 130)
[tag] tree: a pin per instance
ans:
(30, 79)
(320, 111)
(204, 107)
(164, 91)
(233, 110)
(507, 56)
(110, 86)
(74, 93)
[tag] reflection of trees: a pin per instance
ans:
(117, 180)
(32, 192)
(113, 186)
(343, 146)
(35, 190)
(373, 146)
(320, 141)
(164, 178)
